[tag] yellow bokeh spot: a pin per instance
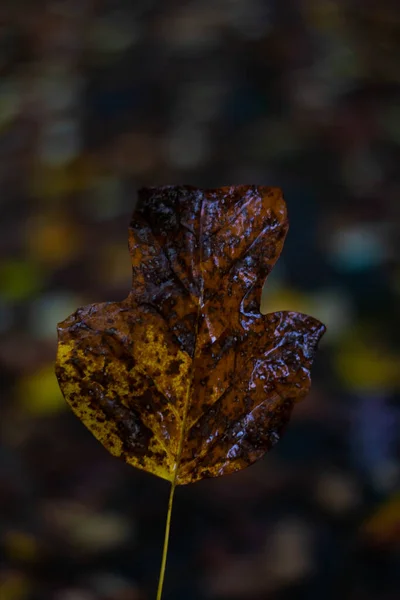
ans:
(19, 279)
(386, 521)
(362, 367)
(283, 299)
(53, 241)
(20, 545)
(39, 393)
(13, 586)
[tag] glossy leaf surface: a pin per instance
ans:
(185, 378)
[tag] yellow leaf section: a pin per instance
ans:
(168, 366)
(170, 369)
(105, 429)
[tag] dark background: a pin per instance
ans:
(98, 98)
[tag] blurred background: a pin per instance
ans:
(100, 97)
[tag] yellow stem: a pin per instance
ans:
(166, 540)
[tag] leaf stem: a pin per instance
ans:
(166, 541)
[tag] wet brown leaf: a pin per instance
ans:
(185, 378)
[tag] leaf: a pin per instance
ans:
(186, 379)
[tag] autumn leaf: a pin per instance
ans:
(186, 379)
